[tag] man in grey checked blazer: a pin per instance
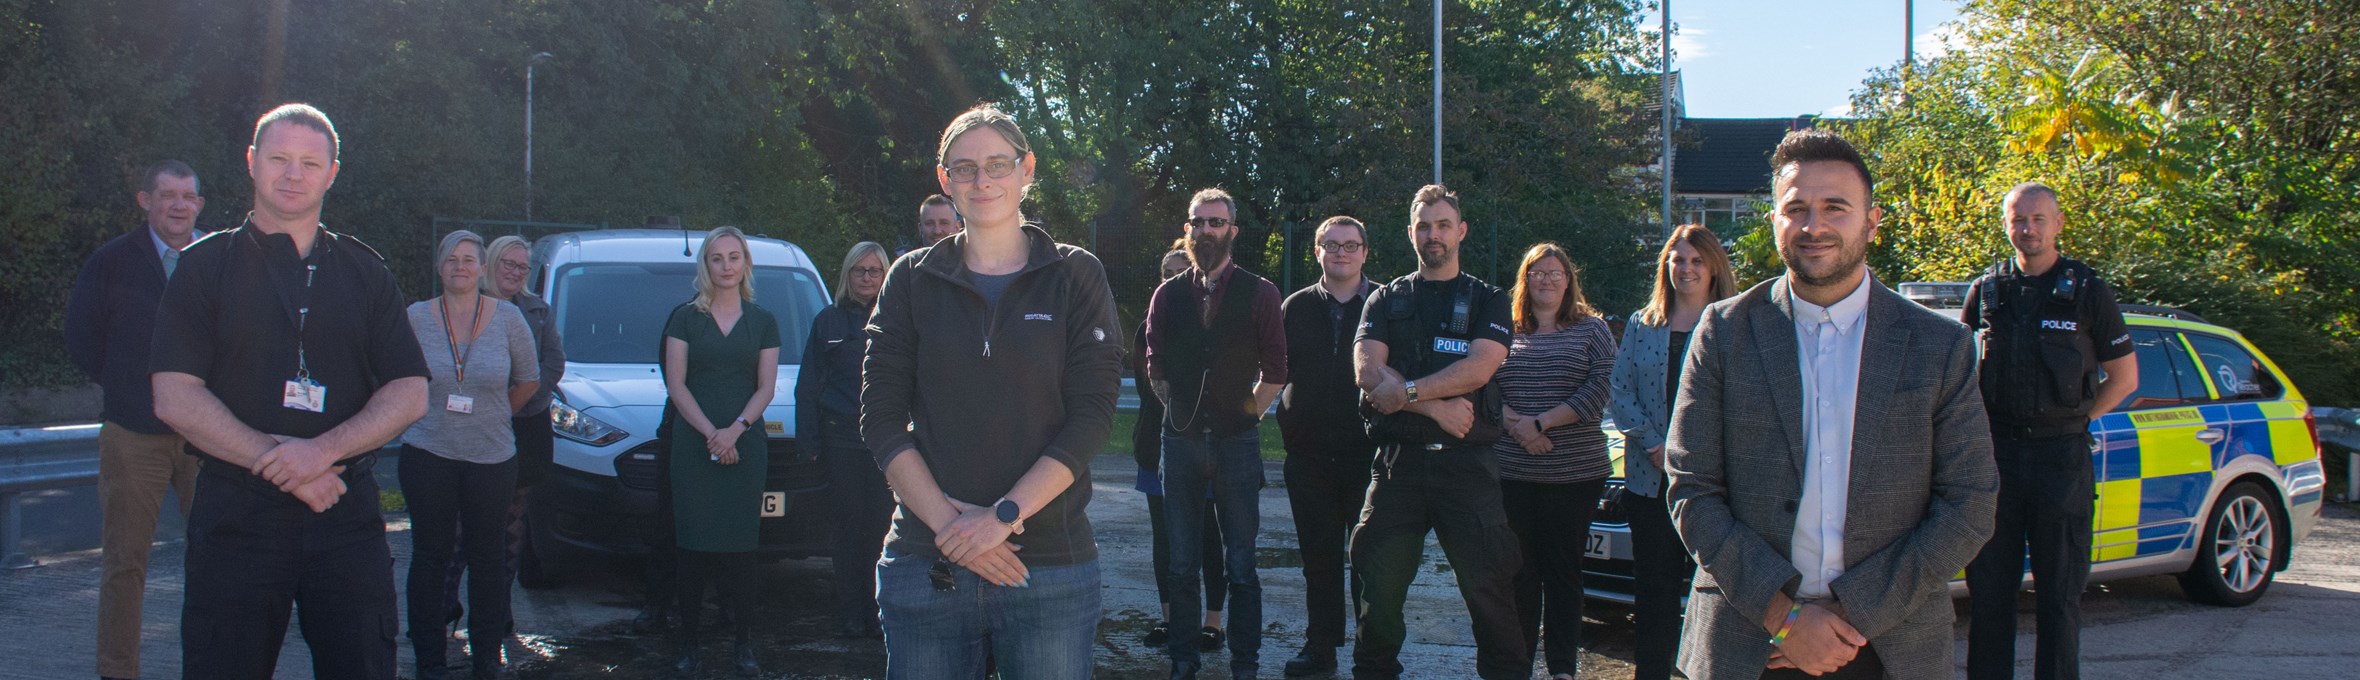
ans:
(1765, 484)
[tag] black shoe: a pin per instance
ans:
(1210, 639)
(688, 666)
(1157, 636)
(652, 619)
(1184, 670)
(435, 671)
(1315, 658)
(746, 665)
(494, 672)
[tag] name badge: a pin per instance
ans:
(459, 404)
(304, 395)
(1450, 346)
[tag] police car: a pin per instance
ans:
(609, 293)
(2209, 471)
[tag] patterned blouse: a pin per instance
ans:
(1569, 367)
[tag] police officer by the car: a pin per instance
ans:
(1429, 343)
(284, 355)
(2055, 354)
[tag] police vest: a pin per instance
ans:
(2040, 365)
(1419, 346)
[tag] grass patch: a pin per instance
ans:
(1273, 447)
(389, 500)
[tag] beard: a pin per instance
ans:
(1434, 254)
(1849, 257)
(1209, 252)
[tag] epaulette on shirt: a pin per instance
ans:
(355, 240)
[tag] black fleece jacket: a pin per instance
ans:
(983, 392)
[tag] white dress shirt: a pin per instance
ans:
(1827, 340)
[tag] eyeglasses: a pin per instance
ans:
(865, 272)
(995, 169)
(1209, 222)
(1345, 247)
(1545, 276)
(507, 266)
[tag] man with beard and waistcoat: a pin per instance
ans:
(1216, 353)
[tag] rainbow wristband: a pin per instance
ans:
(1792, 613)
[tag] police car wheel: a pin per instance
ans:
(2237, 555)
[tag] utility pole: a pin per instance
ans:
(1437, 91)
(535, 60)
(1666, 150)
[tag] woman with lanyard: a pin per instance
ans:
(1691, 273)
(827, 414)
(1552, 456)
(720, 370)
(458, 464)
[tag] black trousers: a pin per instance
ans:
(662, 572)
(1865, 666)
(731, 575)
(863, 511)
(1663, 574)
(1326, 490)
(445, 495)
(1455, 493)
(2046, 499)
(255, 554)
(1215, 572)
(1552, 523)
(534, 446)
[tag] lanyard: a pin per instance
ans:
(452, 334)
(311, 271)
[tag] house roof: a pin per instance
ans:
(1728, 155)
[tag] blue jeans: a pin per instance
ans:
(1047, 630)
(1232, 467)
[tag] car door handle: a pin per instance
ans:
(2211, 435)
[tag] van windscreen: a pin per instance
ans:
(614, 312)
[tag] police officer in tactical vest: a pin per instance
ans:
(2055, 355)
(1429, 343)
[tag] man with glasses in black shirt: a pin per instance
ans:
(284, 356)
(1328, 449)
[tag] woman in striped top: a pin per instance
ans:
(1553, 456)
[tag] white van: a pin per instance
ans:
(609, 293)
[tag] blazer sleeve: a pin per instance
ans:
(1748, 569)
(1880, 591)
(814, 375)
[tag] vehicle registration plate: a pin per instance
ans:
(774, 504)
(1599, 546)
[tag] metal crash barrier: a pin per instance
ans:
(40, 459)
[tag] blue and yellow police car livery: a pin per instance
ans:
(2209, 471)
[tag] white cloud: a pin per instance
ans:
(1944, 39)
(1688, 45)
(1843, 110)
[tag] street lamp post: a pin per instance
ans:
(1666, 131)
(1437, 91)
(535, 60)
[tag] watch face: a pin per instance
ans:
(1006, 511)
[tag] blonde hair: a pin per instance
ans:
(704, 280)
(1575, 308)
(859, 252)
(491, 257)
(1724, 282)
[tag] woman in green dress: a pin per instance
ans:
(720, 368)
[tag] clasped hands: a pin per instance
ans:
(721, 443)
(978, 541)
(302, 468)
(1820, 642)
(1528, 431)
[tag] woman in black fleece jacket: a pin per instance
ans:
(994, 360)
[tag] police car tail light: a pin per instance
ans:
(571, 423)
(2311, 424)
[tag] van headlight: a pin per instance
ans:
(571, 423)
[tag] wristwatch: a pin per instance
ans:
(1008, 514)
(1410, 387)
(741, 420)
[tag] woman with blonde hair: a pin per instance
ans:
(827, 417)
(720, 370)
(1692, 272)
(1552, 457)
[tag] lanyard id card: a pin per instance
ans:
(305, 395)
(459, 404)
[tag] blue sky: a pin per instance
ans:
(1783, 58)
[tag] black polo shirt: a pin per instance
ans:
(1319, 412)
(230, 318)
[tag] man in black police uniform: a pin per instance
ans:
(1327, 467)
(1429, 343)
(283, 354)
(2049, 326)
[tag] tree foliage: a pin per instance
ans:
(816, 121)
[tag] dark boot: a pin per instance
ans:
(747, 667)
(651, 620)
(1315, 658)
(687, 665)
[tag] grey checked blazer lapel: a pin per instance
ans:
(1884, 356)
(1774, 347)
